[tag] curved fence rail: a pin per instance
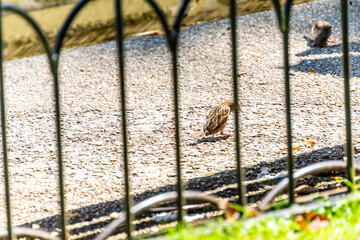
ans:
(172, 34)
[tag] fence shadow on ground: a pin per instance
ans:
(84, 221)
(330, 49)
(330, 65)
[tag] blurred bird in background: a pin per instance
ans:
(321, 32)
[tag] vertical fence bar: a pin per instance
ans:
(4, 138)
(288, 117)
(173, 44)
(54, 61)
(239, 171)
(346, 74)
(120, 44)
(290, 159)
(63, 218)
(291, 164)
(283, 17)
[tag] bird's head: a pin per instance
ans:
(231, 104)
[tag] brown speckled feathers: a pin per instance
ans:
(216, 119)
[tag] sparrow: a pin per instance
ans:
(321, 32)
(216, 120)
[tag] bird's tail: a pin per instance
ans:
(198, 134)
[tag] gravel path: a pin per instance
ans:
(92, 131)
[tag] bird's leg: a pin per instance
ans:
(226, 135)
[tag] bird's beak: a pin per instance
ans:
(238, 107)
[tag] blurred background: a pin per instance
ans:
(96, 22)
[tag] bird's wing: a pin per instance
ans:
(216, 119)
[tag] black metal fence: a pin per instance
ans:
(172, 33)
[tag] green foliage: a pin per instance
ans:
(342, 223)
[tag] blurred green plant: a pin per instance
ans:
(339, 221)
